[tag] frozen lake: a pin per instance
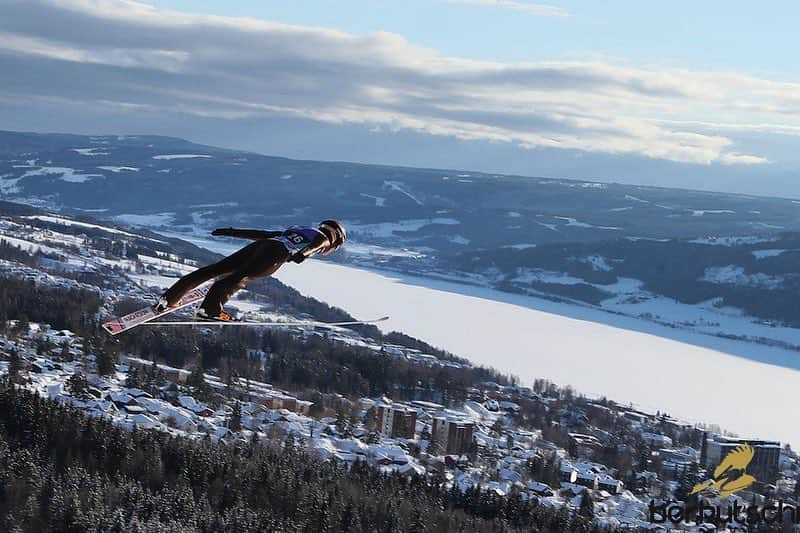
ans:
(740, 386)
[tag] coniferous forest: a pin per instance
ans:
(63, 471)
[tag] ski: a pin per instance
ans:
(265, 324)
(146, 314)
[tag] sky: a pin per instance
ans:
(679, 94)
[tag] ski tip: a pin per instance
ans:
(381, 319)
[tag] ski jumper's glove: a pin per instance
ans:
(297, 258)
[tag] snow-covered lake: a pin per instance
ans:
(740, 386)
(531, 338)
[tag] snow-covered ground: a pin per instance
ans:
(578, 224)
(67, 222)
(155, 220)
(388, 229)
(67, 174)
(168, 157)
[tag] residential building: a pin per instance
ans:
(396, 420)
(453, 434)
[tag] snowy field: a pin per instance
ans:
(743, 387)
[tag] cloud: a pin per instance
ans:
(125, 56)
(535, 9)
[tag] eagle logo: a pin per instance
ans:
(730, 476)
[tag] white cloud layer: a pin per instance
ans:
(128, 55)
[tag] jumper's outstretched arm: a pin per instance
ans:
(252, 234)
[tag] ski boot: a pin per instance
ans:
(221, 317)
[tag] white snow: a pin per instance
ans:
(767, 226)
(635, 199)
(732, 241)
(548, 226)
(527, 275)
(521, 246)
(179, 156)
(286, 177)
(379, 201)
(761, 254)
(371, 249)
(577, 224)
(8, 185)
(598, 262)
(88, 151)
(701, 212)
(157, 219)
(220, 204)
(388, 229)
(399, 187)
(67, 174)
(29, 246)
(119, 169)
(621, 208)
(514, 214)
(459, 239)
(165, 263)
(732, 274)
(68, 222)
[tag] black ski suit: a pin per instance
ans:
(259, 259)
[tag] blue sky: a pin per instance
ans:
(683, 94)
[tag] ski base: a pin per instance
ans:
(146, 314)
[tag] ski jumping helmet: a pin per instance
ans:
(335, 233)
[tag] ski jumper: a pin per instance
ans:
(259, 259)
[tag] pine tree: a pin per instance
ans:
(586, 508)
(342, 423)
(200, 388)
(14, 367)
(434, 447)
(77, 386)
(65, 355)
(371, 419)
(132, 379)
(105, 362)
(235, 420)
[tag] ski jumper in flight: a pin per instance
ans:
(259, 259)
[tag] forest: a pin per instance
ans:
(63, 471)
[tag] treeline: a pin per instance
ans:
(73, 309)
(63, 471)
(298, 361)
(9, 252)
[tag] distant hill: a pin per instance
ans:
(624, 248)
(163, 181)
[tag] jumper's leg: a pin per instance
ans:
(201, 275)
(264, 260)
